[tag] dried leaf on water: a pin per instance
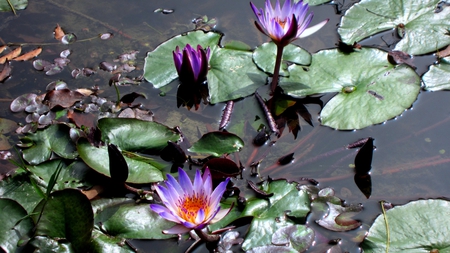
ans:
(58, 32)
(29, 55)
(11, 55)
(6, 72)
(64, 98)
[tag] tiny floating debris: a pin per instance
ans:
(106, 36)
(164, 11)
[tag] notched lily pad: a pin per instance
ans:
(370, 89)
(438, 76)
(421, 24)
(217, 144)
(419, 226)
(273, 213)
(264, 57)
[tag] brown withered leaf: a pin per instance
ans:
(440, 54)
(58, 32)
(6, 72)
(86, 92)
(29, 55)
(82, 119)
(64, 98)
(11, 55)
(399, 57)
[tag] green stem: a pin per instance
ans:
(205, 236)
(118, 94)
(276, 71)
(388, 236)
(12, 7)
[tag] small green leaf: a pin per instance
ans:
(15, 224)
(217, 144)
(55, 138)
(67, 214)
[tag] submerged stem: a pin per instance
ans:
(276, 71)
(206, 236)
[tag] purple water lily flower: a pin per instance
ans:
(191, 64)
(287, 23)
(191, 205)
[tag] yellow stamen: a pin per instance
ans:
(191, 205)
(280, 22)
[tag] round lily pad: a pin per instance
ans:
(422, 24)
(419, 226)
(217, 144)
(370, 89)
(264, 56)
(438, 77)
(232, 74)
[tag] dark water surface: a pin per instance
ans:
(411, 160)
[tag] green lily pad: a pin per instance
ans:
(17, 4)
(370, 89)
(269, 214)
(159, 68)
(19, 188)
(71, 176)
(142, 170)
(422, 26)
(43, 244)
(232, 74)
(419, 227)
(102, 243)
(136, 135)
(55, 139)
(133, 221)
(14, 226)
(217, 144)
(264, 56)
(67, 214)
(438, 76)
(313, 2)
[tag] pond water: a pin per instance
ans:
(411, 159)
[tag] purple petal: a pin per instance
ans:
(166, 198)
(177, 229)
(198, 182)
(219, 215)
(218, 192)
(207, 182)
(310, 30)
(174, 184)
(287, 9)
(200, 216)
(185, 182)
(164, 212)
